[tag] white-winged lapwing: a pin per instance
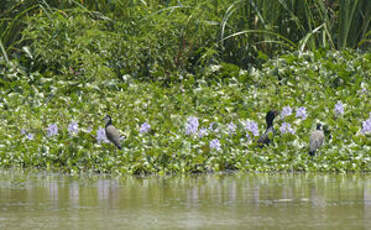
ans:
(111, 132)
(316, 139)
(264, 138)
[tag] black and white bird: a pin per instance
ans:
(111, 132)
(264, 138)
(316, 139)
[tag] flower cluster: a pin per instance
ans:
(286, 111)
(52, 130)
(231, 128)
(339, 108)
(192, 125)
(215, 144)
(145, 127)
(286, 128)
(366, 125)
(101, 135)
(252, 126)
(301, 112)
(73, 128)
(29, 136)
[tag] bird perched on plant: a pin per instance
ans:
(264, 138)
(316, 139)
(111, 132)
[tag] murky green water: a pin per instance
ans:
(242, 201)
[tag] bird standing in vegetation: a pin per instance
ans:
(264, 138)
(111, 132)
(316, 139)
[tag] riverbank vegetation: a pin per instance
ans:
(187, 83)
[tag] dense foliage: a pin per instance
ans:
(153, 39)
(187, 127)
(188, 84)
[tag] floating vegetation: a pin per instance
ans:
(205, 127)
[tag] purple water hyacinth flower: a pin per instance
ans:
(202, 132)
(52, 130)
(231, 128)
(145, 127)
(192, 125)
(29, 136)
(366, 126)
(252, 126)
(101, 135)
(215, 144)
(73, 128)
(339, 108)
(23, 131)
(286, 111)
(301, 112)
(286, 128)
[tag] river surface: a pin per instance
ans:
(217, 201)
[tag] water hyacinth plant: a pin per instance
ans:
(23, 131)
(286, 111)
(231, 128)
(286, 128)
(215, 144)
(101, 135)
(30, 136)
(52, 130)
(176, 146)
(252, 127)
(339, 108)
(192, 125)
(145, 127)
(73, 128)
(366, 126)
(301, 113)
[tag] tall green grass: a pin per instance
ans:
(12, 21)
(191, 32)
(272, 25)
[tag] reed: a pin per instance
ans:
(237, 32)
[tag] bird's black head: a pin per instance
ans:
(270, 117)
(319, 126)
(107, 119)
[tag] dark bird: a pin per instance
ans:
(264, 138)
(111, 132)
(316, 139)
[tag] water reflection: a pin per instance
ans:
(295, 201)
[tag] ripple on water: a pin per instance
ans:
(283, 201)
